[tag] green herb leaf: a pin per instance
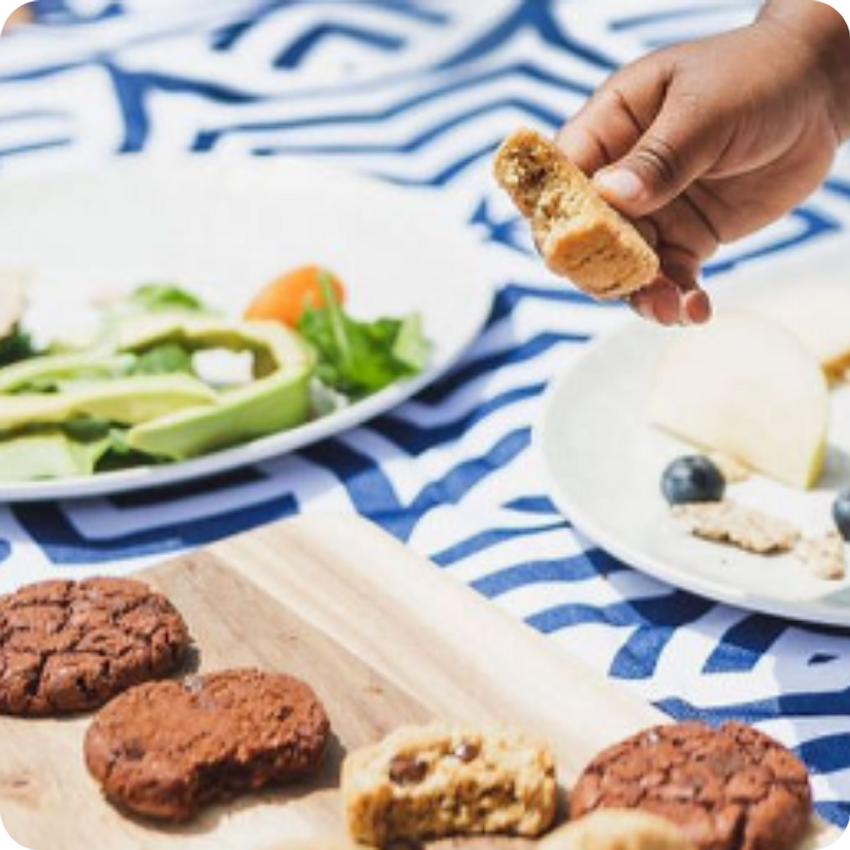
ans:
(160, 297)
(15, 347)
(360, 358)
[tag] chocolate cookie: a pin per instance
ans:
(69, 646)
(166, 749)
(728, 789)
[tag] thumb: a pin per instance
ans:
(676, 150)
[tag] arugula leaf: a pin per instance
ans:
(16, 346)
(360, 358)
(162, 297)
(166, 359)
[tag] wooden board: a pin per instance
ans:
(384, 639)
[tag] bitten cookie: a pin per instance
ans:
(440, 780)
(733, 788)
(579, 235)
(166, 749)
(617, 829)
(70, 646)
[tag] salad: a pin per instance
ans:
(165, 377)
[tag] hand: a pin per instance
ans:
(704, 143)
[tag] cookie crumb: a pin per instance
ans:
(729, 522)
(823, 556)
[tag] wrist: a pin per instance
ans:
(823, 33)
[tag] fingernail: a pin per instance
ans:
(620, 183)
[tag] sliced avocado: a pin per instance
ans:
(33, 457)
(128, 401)
(61, 367)
(278, 399)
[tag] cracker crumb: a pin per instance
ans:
(729, 522)
(823, 556)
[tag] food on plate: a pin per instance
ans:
(357, 358)
(442, 780)
(68, 647)
(579, 235)
(730, 788)
(841, 513)
(287, 297)
(168, 749)
(15, 343)
(139, 389)
(688, 480)
(618, 829)
(746, 528)
(745, 386)
(819, 316)
(823, 556)
(278, 397)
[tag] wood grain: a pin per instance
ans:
(383, 637)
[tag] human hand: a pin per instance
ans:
(706, 142)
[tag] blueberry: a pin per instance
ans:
(694, 479)
(841, 513)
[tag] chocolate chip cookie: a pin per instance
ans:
(441, 780)
(732, 788)
(167, 749)
(69, 646)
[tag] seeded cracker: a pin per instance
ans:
(823, 556)
(729, 522)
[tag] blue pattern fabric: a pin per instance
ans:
(419, 92)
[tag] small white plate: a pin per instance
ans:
(604, 465)
(223, 228)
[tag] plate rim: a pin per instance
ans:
(280, 444)
(812, 612)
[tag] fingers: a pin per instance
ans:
(675, 298)
(668, 303)
(616, 116)
(677, 149)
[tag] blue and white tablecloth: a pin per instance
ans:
(419, 92)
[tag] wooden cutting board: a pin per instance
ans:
(383, 638)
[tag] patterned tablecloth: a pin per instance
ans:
(419, 92)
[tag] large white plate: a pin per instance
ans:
(604, 466)
(223, 228)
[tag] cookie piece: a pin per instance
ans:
(823, 556)
(729, 522)
(440, 780)
(579, 235)
(166, 749)
(618, 829)
(69, 646)
(733, 788)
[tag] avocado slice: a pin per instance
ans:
(127, 401)
(61, 367)
(33, 457)
(279, 397)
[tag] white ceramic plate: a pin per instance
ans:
(223, 228)
(604, 465)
